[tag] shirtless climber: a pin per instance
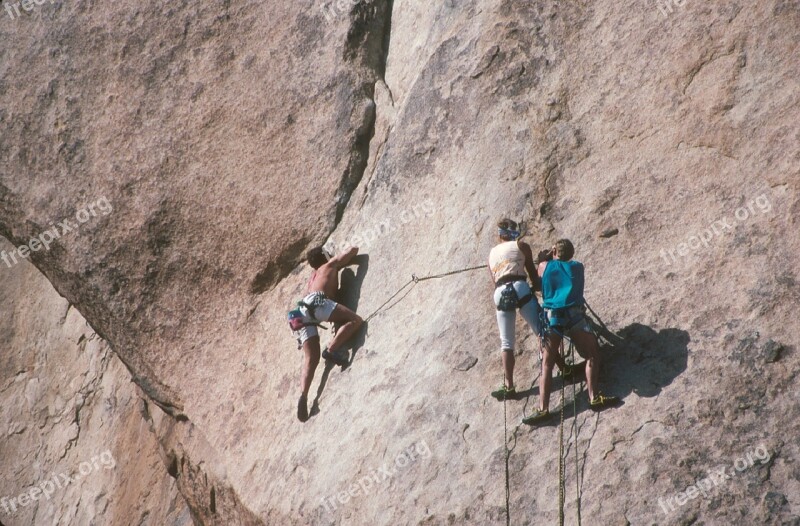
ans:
(317, 307)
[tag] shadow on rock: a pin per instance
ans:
(349, 296)
(322, 382)
(637, 359)
(643, 361)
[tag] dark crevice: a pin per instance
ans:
(366, 51)
(367, 46)
(209, 498)
(387, 37)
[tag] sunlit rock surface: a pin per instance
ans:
(230, 137)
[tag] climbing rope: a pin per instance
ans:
(508, 455)
(451, 273)
(390, 299)
(602, 325)
(561, 453)
(414, 281)
(575, 434)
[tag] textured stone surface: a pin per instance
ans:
(231, 136)
(70, 410)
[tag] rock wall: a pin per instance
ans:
(75, 448)
(230, 137)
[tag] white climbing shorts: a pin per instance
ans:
(321, 310)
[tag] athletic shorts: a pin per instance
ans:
(323, 308)
(575, 318)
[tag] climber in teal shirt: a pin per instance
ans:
(563, 304)
(564, 287)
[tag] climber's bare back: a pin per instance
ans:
(325, 279)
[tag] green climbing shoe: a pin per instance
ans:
(505, 393)
(537, 417)
(600, 401)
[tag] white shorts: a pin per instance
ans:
(322, 310)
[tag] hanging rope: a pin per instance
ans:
(413, 282)
(575, 434)
(561, 457)
(606, 330)
(561, 453)
(508, 455)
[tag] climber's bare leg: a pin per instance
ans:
(586, 344)
(310, 362)
(551, 346)
(349, 323)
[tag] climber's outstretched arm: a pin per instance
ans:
(530, 266)
(343, 259)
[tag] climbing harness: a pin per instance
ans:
(298, 319)
(510, 300)
(564, 319)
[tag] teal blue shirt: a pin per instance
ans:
(562, 284)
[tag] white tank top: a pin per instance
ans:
(506, 259)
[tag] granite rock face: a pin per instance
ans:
(197, 151)
(75, 449)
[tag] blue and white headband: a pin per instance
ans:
(506, 232)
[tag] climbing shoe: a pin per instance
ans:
(505, 393)
(335, 359)
(537, 417)
(302, 408)
(601, 402)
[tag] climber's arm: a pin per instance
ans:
(530, 266)
(541, 268)
(343, 259)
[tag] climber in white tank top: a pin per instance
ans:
(507, 261)
(511, 263)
